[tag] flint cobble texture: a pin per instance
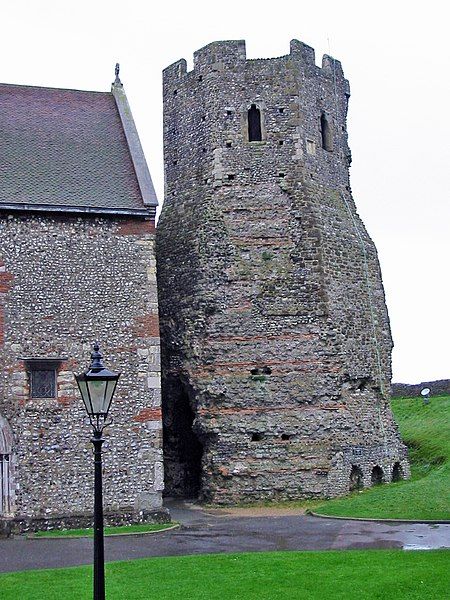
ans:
(65, 282)
(276, 346)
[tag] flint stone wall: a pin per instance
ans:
(276, 346)
(65, 282)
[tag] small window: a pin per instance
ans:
(280, 142)
(200, 77)
(231, 176)
(285, 437)
(229, 113)
(281, 111)
(42, 373)
(43, 383)
(254, 124)
(228, 144)
(257, 437)
(175, 92)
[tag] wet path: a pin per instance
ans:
(205, 532)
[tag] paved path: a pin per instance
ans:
(213, 531)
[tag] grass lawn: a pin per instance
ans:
(108, 530)
(348, 575)
(426, 431)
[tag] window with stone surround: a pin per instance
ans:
(42, 376)
(43, 383)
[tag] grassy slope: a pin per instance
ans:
(260, 576)
(426, 431)
(108, 530)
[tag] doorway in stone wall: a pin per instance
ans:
(6, 439)
(183, 450)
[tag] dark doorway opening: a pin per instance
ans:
(377, 475)
(254, 124)
(397, 472)
(182, 449)
(356, 478)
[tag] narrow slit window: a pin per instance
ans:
(254, 124)
(325, 130)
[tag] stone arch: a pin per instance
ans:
(377, 475)
(356, 478)
(6, 487)
(397, 472)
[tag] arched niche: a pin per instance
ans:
(356, 478)
(397, 472)
(377, 475)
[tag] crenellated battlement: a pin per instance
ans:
(231, 54)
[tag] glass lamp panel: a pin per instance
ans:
(84, 394)
(111, 386)
(97, 390)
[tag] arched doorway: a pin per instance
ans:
(397, 472)
(356, 478)
(377, 475)
(6, 440)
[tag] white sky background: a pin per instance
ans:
(396, 56)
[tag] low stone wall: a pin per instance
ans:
(440, 387)
(20, 525)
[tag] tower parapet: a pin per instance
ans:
(275, 334)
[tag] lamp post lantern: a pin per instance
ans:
(97, 386)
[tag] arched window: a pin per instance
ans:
(254, 124)
(326, 133)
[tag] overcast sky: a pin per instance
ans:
(397, 59)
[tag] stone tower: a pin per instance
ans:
(276, 345)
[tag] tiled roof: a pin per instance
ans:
(69, 150)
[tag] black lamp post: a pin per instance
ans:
(97, 386)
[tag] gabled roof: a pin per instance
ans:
(71, 151)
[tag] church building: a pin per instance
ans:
(77, 264)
